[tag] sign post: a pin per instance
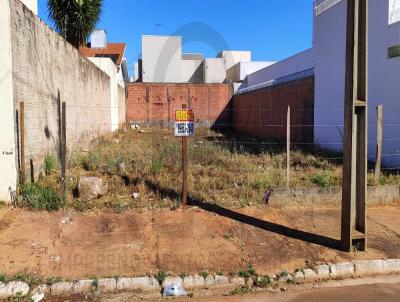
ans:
(184, 127)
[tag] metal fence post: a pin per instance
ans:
(288, 149)
(379, 132)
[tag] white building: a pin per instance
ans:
(32, 5)
(161, 59)
(327, 60)
(164, 62)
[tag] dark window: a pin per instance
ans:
(394, 52)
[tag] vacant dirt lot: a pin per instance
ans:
(76, 245)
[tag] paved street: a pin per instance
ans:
(361, 293)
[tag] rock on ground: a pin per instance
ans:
(91, 188)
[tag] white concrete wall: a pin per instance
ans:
(384, 75)
(37, 66)
(8, 175)
(243, 69)
(232, 57)
(161, 57)
(192, 71)
(329, 51)
(32, 5)
(136, 75)
(297, 63)
(214, 70)
(116, 105)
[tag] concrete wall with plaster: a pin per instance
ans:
(40, 66)
(161, 57)
(117, 100)
(8, 165)
(297, 63)
(384, 74)
(243, 69)
(192, 71)
(214, 71)
(32, 5)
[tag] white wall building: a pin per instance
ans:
(214, 71)
(163, 62)
(327, 60)
(162, 59)
(117, 102)
(384, 74)
(32, 5)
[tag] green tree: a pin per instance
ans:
(75, 19)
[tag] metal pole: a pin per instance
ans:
(288, 149)
(185, 167)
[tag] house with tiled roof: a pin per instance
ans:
(98, 47)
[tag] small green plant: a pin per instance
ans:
(49, 164)
(263, 281)
(204, 274)
(18, 297)
(247, 273)
(323, 179)
(243, 274)
(301, 270)
(95, 283)
(157, 164)
(266, 182)
(241, 290)
(220, 273)
(251, 270)
(36, 197)
(90, 162)
(23, 277)
(283, 274)
(52, 280)
(3, 278)
(160, 276)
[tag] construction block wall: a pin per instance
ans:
(262, 113)
(155, 104)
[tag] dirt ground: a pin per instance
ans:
(75, 245)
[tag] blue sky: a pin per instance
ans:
(271, 29)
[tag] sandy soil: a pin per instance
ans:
(74, 245)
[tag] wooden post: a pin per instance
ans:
(22, 131)
(354, 181)
(185, 167)
(288, 149)
(379, 132)
(63, 151)
(169, 107)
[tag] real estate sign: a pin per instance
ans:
(394, 11)
(184, 122)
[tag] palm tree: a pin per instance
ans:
(75, 19)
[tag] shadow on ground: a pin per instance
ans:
(258, 223)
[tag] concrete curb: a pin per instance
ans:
(354, 269)
(380, 195)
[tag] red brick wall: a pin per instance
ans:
(263, 112)
(155, 104)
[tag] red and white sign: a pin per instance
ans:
(184, 122)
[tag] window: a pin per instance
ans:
(394, 52)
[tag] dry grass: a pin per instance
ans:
(222, 170)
